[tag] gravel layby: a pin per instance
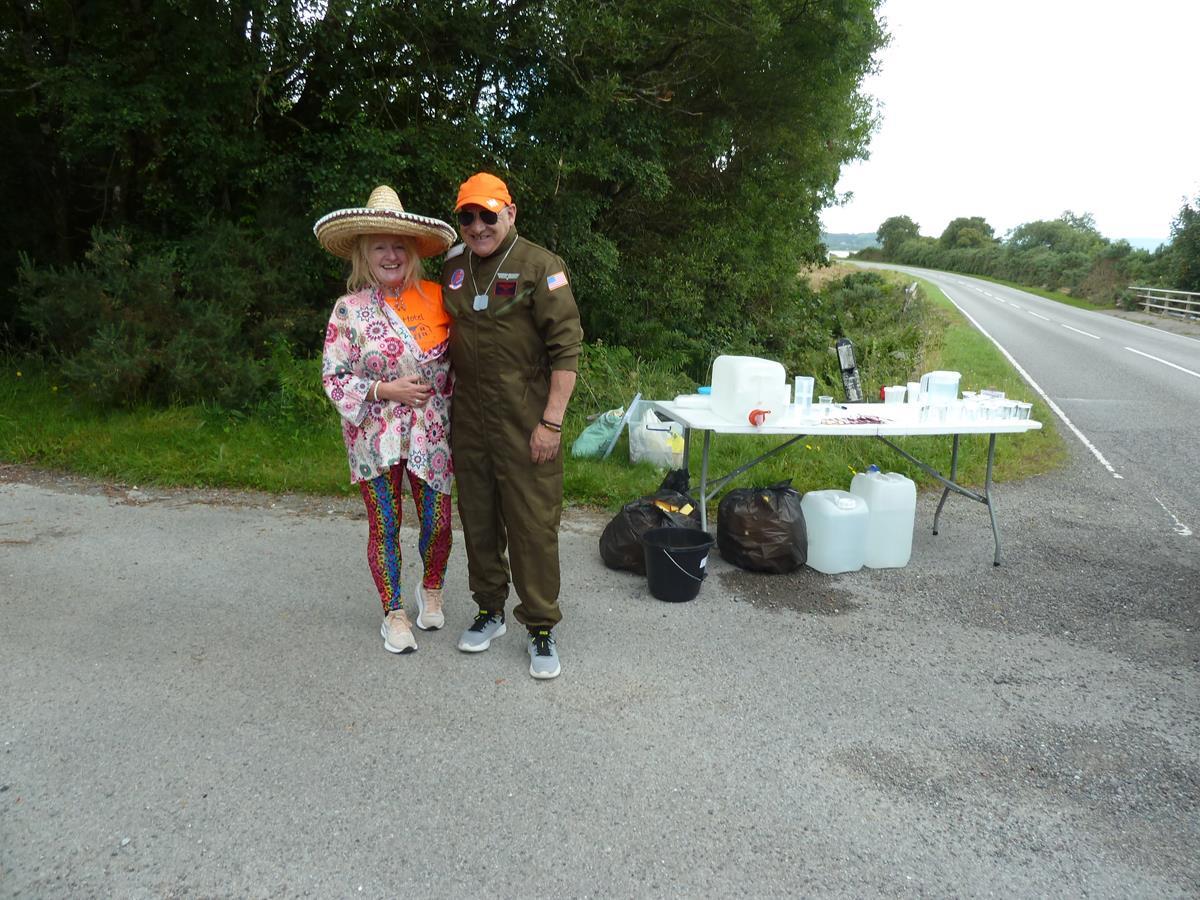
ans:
(194, 702)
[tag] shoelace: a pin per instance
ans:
(542, 643)
(481, 620)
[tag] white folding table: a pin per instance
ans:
(878, 420)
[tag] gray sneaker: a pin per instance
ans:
(543, 655)
(479, 636)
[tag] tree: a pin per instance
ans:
(894, 232)
(967, 232)
(1185, 247)
(1066, 234)
(677, 154)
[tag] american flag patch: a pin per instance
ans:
(557, 280)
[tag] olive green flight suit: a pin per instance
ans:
(502, 358)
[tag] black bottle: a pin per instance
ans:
(850, 382)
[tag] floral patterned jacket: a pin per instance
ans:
(366, 341)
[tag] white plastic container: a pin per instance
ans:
(891, 500)
(836, 522)
(742, 384)
(941, 385)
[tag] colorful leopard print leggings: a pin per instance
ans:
(383, 496)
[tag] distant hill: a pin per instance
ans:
(849, 242)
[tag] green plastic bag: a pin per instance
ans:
(594, 440)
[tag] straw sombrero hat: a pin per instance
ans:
(383, 214)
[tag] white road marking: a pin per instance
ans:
(1094, 337)
(1180, 529)
(1037, 387)
(1163, 361)
(1039, 316)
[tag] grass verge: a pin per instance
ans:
(196, 446)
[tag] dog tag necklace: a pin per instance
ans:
(481, 300)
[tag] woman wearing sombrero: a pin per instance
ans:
(386, 370)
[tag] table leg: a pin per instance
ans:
(990, 503)
(704, 482)
(946, 490)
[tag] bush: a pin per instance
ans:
(301, 398)
(195, 320)
(886, 323)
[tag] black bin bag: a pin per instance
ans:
(762, 528)
(621, 540)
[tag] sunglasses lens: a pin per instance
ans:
(489, 218)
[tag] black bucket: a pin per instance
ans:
(675, 562)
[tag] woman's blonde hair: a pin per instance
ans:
(360, 265)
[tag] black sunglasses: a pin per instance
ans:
(466, 217)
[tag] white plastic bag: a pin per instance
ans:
(655, 441)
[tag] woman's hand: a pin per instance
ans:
(410, 390)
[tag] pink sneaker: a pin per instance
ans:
(429, 609)
(397, 633)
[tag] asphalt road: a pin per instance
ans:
(194, 702)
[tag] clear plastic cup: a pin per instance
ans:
(804, 390)
(894, 393)
(826, 404)
(802, 398)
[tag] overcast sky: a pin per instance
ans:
(1019, 110)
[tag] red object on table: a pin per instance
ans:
(758, 416)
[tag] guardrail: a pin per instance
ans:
(1180, 304)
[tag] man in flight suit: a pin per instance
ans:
(515, 340)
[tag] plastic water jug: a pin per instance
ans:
(941, 385)
(742, 384)
(891, 512)
(837, 530)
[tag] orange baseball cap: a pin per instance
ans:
(483, 190)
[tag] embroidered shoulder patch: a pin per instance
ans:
(456, 250)
(456, 279)
(557, 280)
